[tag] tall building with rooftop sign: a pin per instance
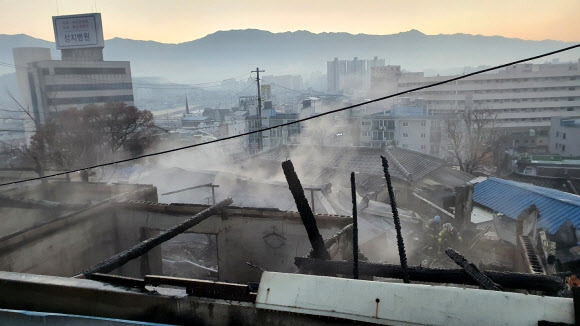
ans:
(79, 79)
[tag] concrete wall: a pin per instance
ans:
(267, 238)
(69, 245)
(63, 248)
(171, 306)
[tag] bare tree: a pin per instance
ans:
(473, 136)
(75, 138)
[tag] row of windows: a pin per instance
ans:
(383, 135)
(88, 71)
(536, 109)
(497, 81)
(561, 147)
(88, 87)
(388, 124)
(90, 99)
(525, 119)
(563, 134)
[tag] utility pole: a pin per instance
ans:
(258, 71)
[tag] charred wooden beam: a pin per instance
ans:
(208, 289)
(397, 221)
(354, 227)
(141, 248)
(531, 282)
(191, 188)
(305, 213)
(117, 280)
(471, 270)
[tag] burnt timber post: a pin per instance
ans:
(319, 251)
(354, 227)
(400, 243)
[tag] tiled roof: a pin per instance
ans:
(511, 198)
(402, 162)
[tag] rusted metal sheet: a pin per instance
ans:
(208, 289)
(305, 213)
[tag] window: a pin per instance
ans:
(563, 135)
(366, 123)
(422, 135)
(570, 109)
(89, 71)
(423, 147)
(557, 133)
(405, 134)
(405, 124)
(405, 146)
(563, 148)
(365, 133)
(423, 123)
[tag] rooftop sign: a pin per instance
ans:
(78, 31)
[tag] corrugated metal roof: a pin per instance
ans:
(511, 198)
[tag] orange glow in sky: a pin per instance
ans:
(175, 21)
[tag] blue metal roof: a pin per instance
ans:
(511, 198)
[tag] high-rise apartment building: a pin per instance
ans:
(336, 75)
(523, 96)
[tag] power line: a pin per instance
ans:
(303, 119)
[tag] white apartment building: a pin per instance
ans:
(565, 136)
(407, 126)
(525, 96)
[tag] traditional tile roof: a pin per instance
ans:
(404, 164)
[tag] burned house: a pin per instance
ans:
(127, 282)
(64, 232)
(413, 172)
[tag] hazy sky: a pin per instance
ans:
(174, 21)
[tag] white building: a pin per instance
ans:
(564, 136)
(79, 79)
(525, 96)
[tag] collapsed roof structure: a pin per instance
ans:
(121, 238)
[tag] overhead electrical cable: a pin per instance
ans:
(303, 119)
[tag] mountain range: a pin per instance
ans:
(225, 54)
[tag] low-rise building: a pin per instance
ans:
(407, 125)
(564, 136)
